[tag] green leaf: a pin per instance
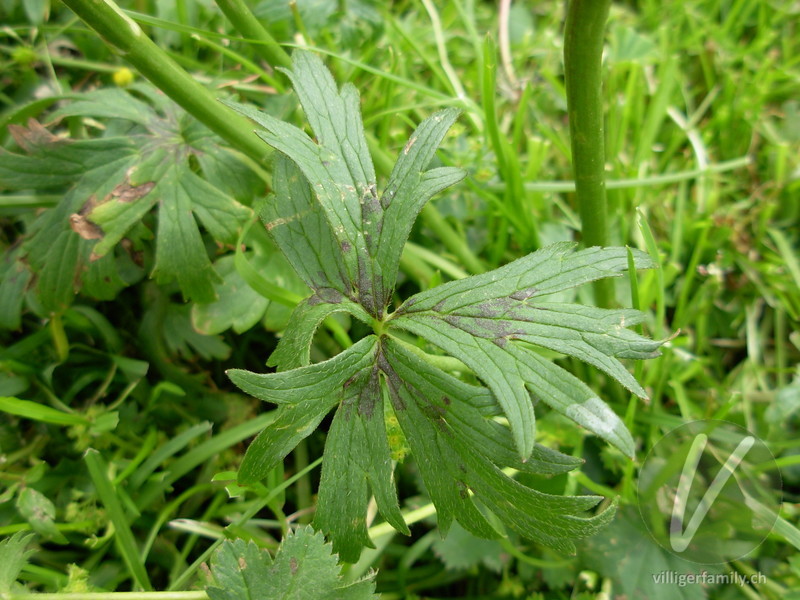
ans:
(626, 553)
(479, 319)
(357, 454)
(57, 283)
(304, 568)
(366, 231)
(416, 388)
(52, 161)
(14, 279)
(238, 306)
(115, 181)
(296, 223)
(40, 512)
(181, 338)
(472, 418)
(344, 240)
(107, 103)
(180, 253)
(422, 420)
(461, 550)
(410, 187)
(305, 396)
(338, 191)
(52, 255)
(13, 557)
(294, 348)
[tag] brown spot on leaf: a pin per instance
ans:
(242, 563)
(293, 565)
(137, 256)
(523, 295)
(125, 192)
(84, 227)
(80, 224)
(34, 136)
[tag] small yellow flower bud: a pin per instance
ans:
(123, 77)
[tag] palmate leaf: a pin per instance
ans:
(344, 239)
(112, 183)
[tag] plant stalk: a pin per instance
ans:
(123, 34)
(583, 54)
(246, 23)
(107, 596)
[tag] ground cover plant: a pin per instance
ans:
(156, 250)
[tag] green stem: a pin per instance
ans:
(583, 53)
(251, 28)
(120, 32)
(109, 596)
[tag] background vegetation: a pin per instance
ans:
(124, 466)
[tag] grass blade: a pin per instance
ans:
(123, 535)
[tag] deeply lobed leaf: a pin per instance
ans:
(344, 240)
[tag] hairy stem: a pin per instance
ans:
(123, 34)
(583, 53)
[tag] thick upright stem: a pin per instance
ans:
(583, 53)
(120, 32)
(246, 23)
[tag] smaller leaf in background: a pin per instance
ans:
(462, 550)
(238, 306)
(304, 568)
(627, 554)
(39, 512)
(13, 557)
(142, 158)
(14, 279)
(182, 338)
